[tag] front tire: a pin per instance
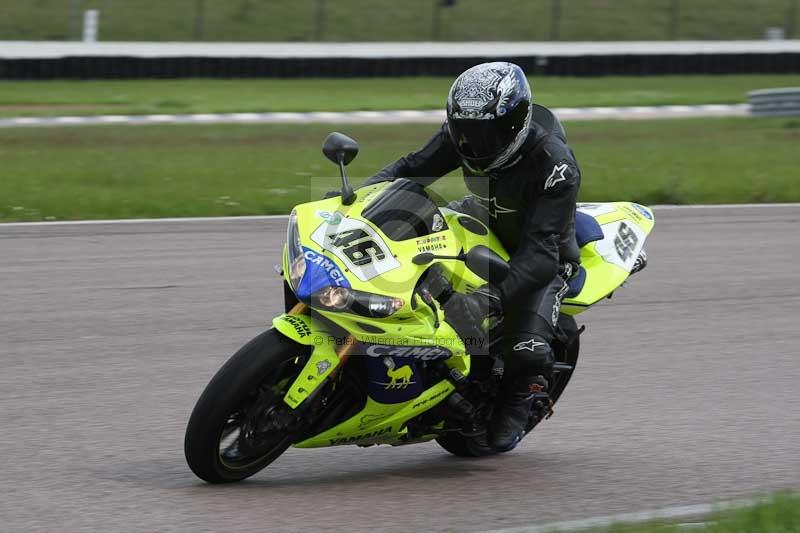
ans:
(240, 424)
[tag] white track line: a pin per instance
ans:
(375, 117)
(668, 207)
(279, 217)
(667, 513)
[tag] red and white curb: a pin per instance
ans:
(378, 117)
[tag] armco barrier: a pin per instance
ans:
(247, 67)
(775, 102)
(284, 60)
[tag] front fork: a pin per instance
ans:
(325, 361)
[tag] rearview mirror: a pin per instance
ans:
(486, 263)
(340, 148)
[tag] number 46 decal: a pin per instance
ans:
(358, 246)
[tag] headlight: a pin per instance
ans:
(297, 262)
(344, 299)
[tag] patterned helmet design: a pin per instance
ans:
(488, 114)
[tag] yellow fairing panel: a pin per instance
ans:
(608, 261)
(395, 274)
(463, 279)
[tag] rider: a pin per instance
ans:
(524, 181)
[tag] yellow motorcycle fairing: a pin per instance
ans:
(607, 261)
(413, 325)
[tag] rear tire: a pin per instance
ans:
(243, 381)
(462, 446)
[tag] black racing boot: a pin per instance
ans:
(511, 418)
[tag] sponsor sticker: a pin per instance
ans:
(426, 400)
(322, 366)
(368, 420)
(335, 275)
(596, 210)
(643, 211)
(421, 353)
(432, 244)
(438, 222)
(364, 436)
(300, 327)
(331, 218)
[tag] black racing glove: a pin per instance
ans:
(473, 315)
(487, 298)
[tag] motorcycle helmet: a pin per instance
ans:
(488, 114)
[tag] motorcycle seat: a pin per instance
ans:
(586, 229)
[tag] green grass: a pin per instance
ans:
(390, 20)
(218, 96)
(777, 514)
(156, 171)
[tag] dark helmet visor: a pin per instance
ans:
(480, 142)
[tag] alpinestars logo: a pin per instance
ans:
(556, 176)
(490, 204)
(528, 345)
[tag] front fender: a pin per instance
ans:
(308, 330)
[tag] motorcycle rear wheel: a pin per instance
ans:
(240, 424)
(463, 446)
(566, 355)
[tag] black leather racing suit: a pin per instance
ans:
(530, 205)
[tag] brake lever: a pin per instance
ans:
(428, 298)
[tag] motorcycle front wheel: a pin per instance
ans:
(241, 424)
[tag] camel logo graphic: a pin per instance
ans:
(400, 377)
(393, 380)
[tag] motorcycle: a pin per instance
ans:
(364, 354)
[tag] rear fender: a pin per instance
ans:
(309, 331)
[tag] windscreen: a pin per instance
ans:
(404, 211)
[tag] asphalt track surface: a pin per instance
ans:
(686, 391)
